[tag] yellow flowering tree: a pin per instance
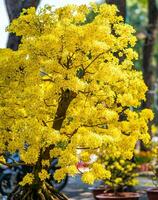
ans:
(71, 85)
(123, 174)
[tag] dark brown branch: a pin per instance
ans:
(66, 98)
(71, 134)
(93, 60)
(48, 79)
(48, 105)
(15, 164)
(69, 61)
(59, 61)
(95, 125)
(44, 123)
(126, 134)
(148, 48)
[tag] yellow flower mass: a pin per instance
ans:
(28, 179)
(71, 85)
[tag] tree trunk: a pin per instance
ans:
(121, 5)
(14, 8)
(147, 56)
(148, 49)
(66, 98)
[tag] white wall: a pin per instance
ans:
(3, 23)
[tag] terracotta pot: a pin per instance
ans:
(100, 190)
(97, 191)
(118, 196)
(152, 193)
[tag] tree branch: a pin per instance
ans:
(66, 98)
(93, 60)
(15, 164)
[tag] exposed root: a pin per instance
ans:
(46, 192)
(60, 196)
(64, 196)
(31, 197)
(16, 190)
(41, 195)
(49, 195)
(27, 194)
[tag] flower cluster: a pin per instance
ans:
(123, 173)
(28, 179)
(96, 172)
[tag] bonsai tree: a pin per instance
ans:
(123, 174)
(123, 177)
(71, 85)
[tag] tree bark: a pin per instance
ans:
(121, 5)
(147, 56)
(14, 8)
(148, 49)
(66, 98)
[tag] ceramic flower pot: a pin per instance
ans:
(152, 193)
(118, 196)
(99, 190)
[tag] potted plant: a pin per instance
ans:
(101, 189)
(123, 178)
(66, 89)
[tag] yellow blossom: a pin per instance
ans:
(88, 177)
(43, 174)
(60, 174)
(28, 179)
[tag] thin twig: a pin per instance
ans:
(93, 60)
(14, 164)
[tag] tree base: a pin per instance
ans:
(46, 192)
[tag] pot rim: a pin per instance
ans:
(121, 195)
(98, 188)
(153, 189)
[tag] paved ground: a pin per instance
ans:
(76, 190)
